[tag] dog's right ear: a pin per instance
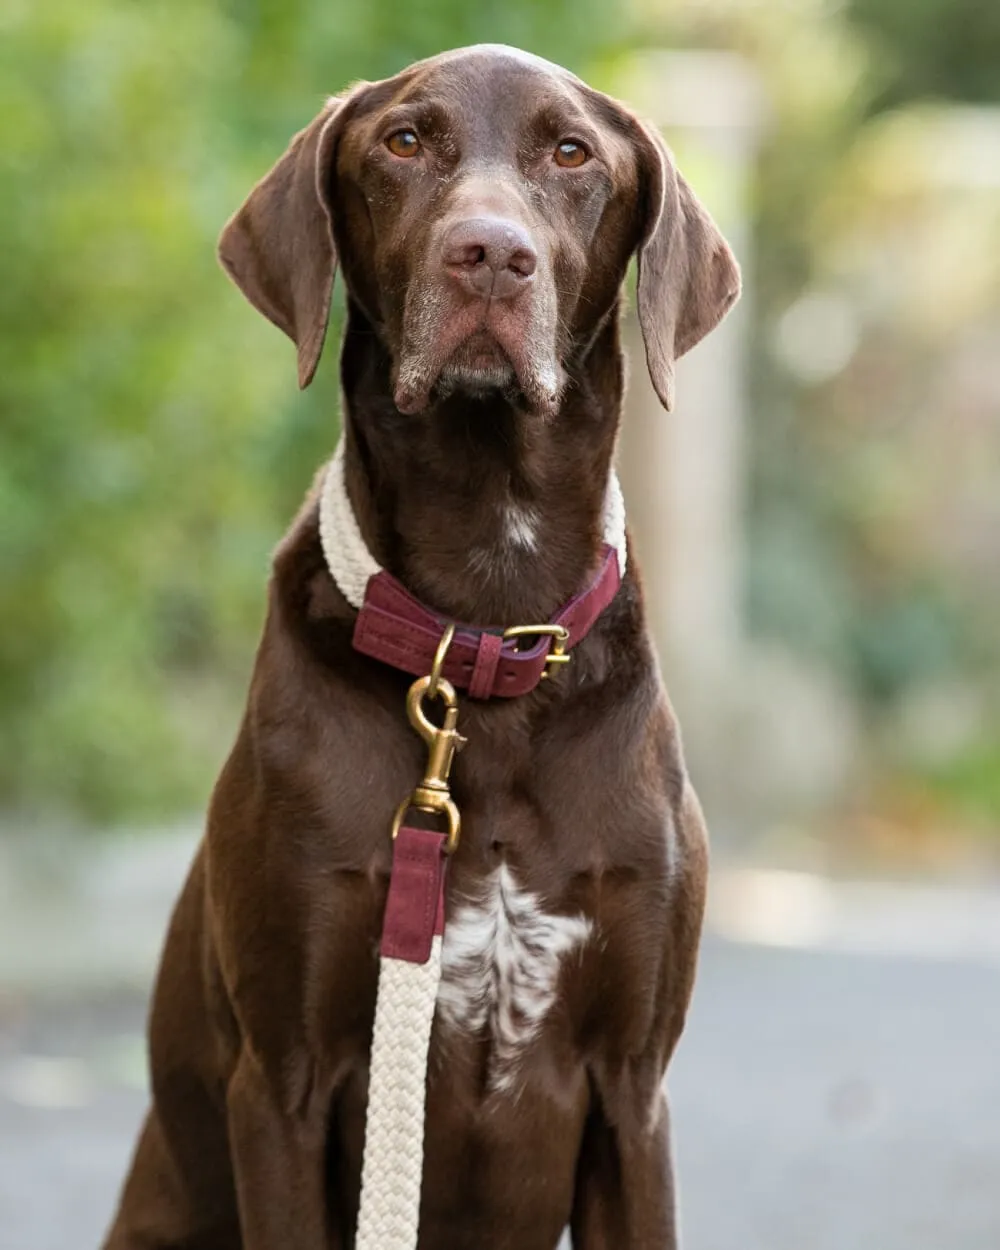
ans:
(278, 247)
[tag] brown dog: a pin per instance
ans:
(483, 206)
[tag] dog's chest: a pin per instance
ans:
(503, 958)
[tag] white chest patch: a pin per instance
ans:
(500, 968)
(520, 526)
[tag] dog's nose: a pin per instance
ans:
(490, 256)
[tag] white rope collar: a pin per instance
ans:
(350, 562)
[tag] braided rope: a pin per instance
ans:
(349, 560)
(614, 520)
(389, 1217)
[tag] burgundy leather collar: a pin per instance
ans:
(396, 628)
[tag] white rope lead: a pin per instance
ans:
(389, 1218)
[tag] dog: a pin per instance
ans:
(483, 207)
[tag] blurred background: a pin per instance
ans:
(819, 523)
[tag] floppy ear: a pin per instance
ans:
(278, 247)
(688, 277)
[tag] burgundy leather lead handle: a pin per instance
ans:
(396, 628)
(414, 908)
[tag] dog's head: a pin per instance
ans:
(484, 206)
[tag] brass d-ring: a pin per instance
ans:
(439, 655)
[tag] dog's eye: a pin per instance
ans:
(403, 143)
(570, 154)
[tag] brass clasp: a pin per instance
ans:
(432, 794)
(559, 635)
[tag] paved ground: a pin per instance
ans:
(823, 1101)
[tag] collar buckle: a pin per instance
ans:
(559, 635)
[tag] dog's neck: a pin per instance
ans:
(488, 514)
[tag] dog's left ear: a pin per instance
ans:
(278, 247)
(688, 277)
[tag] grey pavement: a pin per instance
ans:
(823, 1100)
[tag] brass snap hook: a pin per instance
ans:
(432, 794)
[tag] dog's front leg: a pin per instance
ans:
(278, 1146)
(624, 1196)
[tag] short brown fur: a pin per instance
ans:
(261, 1021)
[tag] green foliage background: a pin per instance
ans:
(152, 441)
